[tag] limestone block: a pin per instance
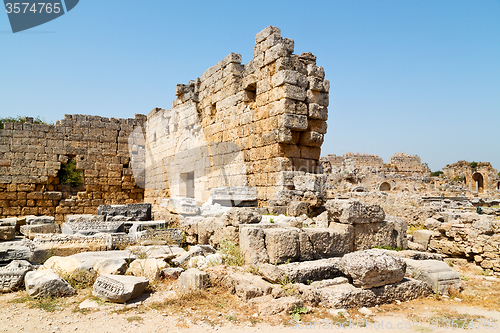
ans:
(84, 218)
(252, 245)
(119, 288)
(62, 265)
(7, 233)
(261, 36)
(372, 268)
(47, 283)
(317, 111)
(30, 231)
(437, 274)
(193, 279)
(321, 220)
(246, 285)
(21, 250)
(233, 195)
(390, 233)
(282, 244)
(308, 182)
(8, 222)
(149, 268)
(316, 270)
(236, 216)
(271, 273)
(110, 266)
(90, 228)
(297, 208)
(334, 241)
(279, 305)
(33, 220)
(171, 273)
(353, 211)
(12, 275)
(288, 91)
(285, 76)
(315, 71)
(185, 206)
(431, 223)
(140, 212)
(422, 237)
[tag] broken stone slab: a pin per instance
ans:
(171, 273)
(391, 233)
(184, 206)
(149, 268)
(62, 265)
(271, 273)
(416, 255)
(159, 236)
(282, 244)
(315, 270)
(297, 208)
(234, 196)
(348, 296)
(66, 245)
(84, 218)
(7, 233)
(165, 252)
(119, 288)
(193, 279)
(321, 243)
(91, 228)
(329, 282)
(215, 210)
(90, 259)
(139, 212)
(352, 211)
(32, 220)
(372, 268)
(237, 216)
(437, 274)
(20, 249)
(253, 246)
(47, 283)
(197, 250)
(31, 230)
(12, 275)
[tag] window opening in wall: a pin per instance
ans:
(187, 187)
(69, 175)
(251, 91)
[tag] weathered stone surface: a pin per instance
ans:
(205, 262)
(133, 227)
(193, 279)
(139, 212)
(91, 228)
(279, 305)
(306, 271)
(271, 273)
(110, 266)
(432, 223)
(185, 206)
(297, 208)
(244, 285)
(21, 250)
(65, 245)
(171, 273)
(62, 265)
(12, 275)
(47, 283)
(422, 237)
(372, 268)
(119, 288)
(320, 243)
(282, 245)
(353, 211)
(348, 296)
(437, 274)
(253, 246)
(31, 230)
(31, 220)
(7, 233)
(234, 196)
(84, 218)
(330, 282)
(149, 268)
(198, 250)
(236, 216)
(8, 222)
(390, 233)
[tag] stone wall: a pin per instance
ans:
(482, 178)
(408, 164)
(31, 156)
(240, 125)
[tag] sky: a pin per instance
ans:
(421, 77)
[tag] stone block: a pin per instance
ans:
(149, 268)
(422, 237)
(139, 212)
(118, 288)
(47, 283)
(316, 270)
(297, 208)
(33, 220)
(110, 266)
(171, 273)
(234, 196)
(282, 245)
(193, 279)
(308, 182)
(334, 241)
(184, 206)
(372, 268)
(353, 211)
(30, 231)
(253, 246)
(7, 233)
(91, 228)
(437, 274)
(12, 275)
(293, 122)
(21, 250)
(390, 233)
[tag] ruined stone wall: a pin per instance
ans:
(240, 125)
(31, 156)
(408, 164)
(483, 178)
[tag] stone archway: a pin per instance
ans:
(385, 186)
(478, 181)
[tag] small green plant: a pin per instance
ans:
(271, 220)
(463, 277)
(383, 247)
(21, 120)
(485, 272)
(231, 318)
(49, 304)
(69, 175)
(231, 253)
(473, 165)
(298, 312)
(437, 173)
(79, 279)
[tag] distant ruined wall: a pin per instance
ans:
(481, 178)
(408, 164)
(240, 125)
(31, 156)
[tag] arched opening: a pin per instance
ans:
(498, 186)
(385, 186)
(359, 189)
(478, 181)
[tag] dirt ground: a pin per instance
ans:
(476, 309)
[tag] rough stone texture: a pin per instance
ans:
(354, 211)
(319, 243)
(193, 279)
(297, 208)
(186, 206)
(12, 275)
(391, 233)
(282, 245)
(62, 265)
(34, 220)
(110, 266)
(372, 268)
(47, 283)
(304, 272)
(30, 231)
(279, 305)
(236, 216)
(119, 288)
(253, 246)
(244, 285)
(65, 245)
(21, 250)
(422, 237)
(138, 212)
(348, 296)
(437, 274)
(171, 273)
(271, 273)
(7, 233)
(91, 228)
(149, 268)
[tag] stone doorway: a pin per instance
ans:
(478, 181)
(188, 184)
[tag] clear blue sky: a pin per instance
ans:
(422, 77)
